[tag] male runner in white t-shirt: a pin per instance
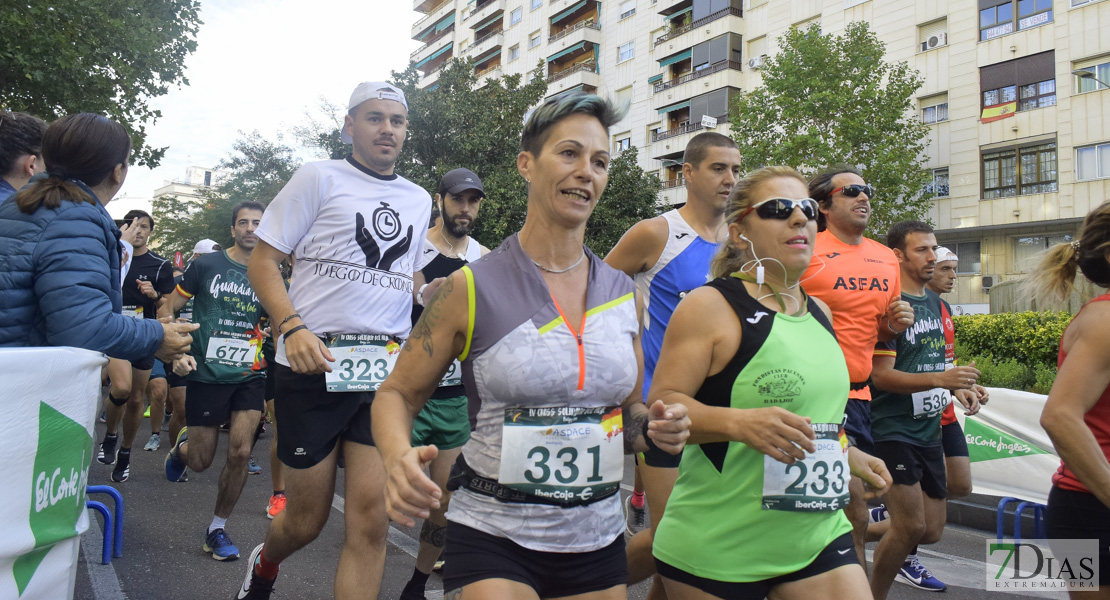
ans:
(357, 230)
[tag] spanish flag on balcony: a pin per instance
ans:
(998, 111)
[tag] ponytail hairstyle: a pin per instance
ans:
(85, 147)
(1054, 276)
(20, 135)
(729, 258)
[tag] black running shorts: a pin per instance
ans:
(1075, 515)
(211, 404)
(910, 464)
(953, 440)
(313, 419)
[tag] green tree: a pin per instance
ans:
(828, 100)
(630, 197)
(321, 130)
(458, 124)
(68, 56)
(258, 169)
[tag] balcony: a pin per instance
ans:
(668, 8)
(715, 31)
(672, 196)
(668, 142)
(425, 6)
(699, 74)
(585, 74)
(430, 79)
(429, 20)
(432, 55)
(576, 28)
(483, 11)
(432, 39)
(479, 48)
(484, 76)
(569, 12)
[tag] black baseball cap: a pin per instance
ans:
(457, 181)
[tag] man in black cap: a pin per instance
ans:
(444, 420)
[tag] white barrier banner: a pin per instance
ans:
(1011, 455)
(46, 436)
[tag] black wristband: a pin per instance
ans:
(647, 439)
(286, 320)
(285, 336)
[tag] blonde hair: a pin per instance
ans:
(729, 258)
(1054, 276)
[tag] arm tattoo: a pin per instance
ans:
(433, 313)
(635, 419)
(433, 534)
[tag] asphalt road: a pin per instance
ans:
(165, 525)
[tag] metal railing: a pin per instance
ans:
(590, 66)
(702, 21)
(483, 40)
(582, 24)
(682, 129)
(432, 40)
(420, 24)
(674, 183)
(717, 68)
(487, 71)
(478, 9)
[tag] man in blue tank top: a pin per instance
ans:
(668, 256)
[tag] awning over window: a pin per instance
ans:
(670, 60)
(488, 55)
(655, 79)
(568, 12)
(492, 19)
(445, 23)
(435, 54)
(680, 105)
(679, 13)
(574, 48)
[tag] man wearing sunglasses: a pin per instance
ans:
(859, 279)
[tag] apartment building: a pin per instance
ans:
(1015, 94)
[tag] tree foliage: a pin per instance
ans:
(458, 124)
(320, 132)
(630, 197)
(69, 56)
(258, 169)
(829, 100)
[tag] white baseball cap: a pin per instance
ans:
(944, 254)
(368, 90)
(205, 247)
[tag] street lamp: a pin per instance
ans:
(1085, 74)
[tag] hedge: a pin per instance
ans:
(1013, 350)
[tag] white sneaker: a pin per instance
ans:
(154, 443)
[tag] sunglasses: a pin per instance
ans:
(782, 208)
(851, 191)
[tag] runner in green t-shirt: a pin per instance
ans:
(228, 378)
(913, 386)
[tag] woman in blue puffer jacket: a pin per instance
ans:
(60, 251)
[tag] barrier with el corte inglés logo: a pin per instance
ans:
(46, 436)
(1011, 455)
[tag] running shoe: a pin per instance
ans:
(275, 505)
(122, 469)
(255, 587)
(635, 519)
(220, 545)
(913, 573)
(103, 418)
(253, 468)
(877, 514)
(154, 443)
(175, 467)
(107, 453)
(146, 415)
(438, 567)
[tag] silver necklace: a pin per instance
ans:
(553, 271)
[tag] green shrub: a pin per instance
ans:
(1044, 376)
(1007, 373)
(1013, 350)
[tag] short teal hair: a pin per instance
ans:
(538, 126)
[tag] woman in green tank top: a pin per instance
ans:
(757, 508)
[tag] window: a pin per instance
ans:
(1017, 171)
(939, 185)
(1027, 250)
(653, 130)
(1027, 82)
(719, 49)
(714, 104)
(514, 53)
(623, 144)
(934, 109)
(933, 35)
(624, 96)
(1092, 162)
(536, 4)
(515, 16)
(534, 40)
(970, 257)
(997, 17)
(627, 8)
(626, 51)
(1100, 70)
(1075, 3)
